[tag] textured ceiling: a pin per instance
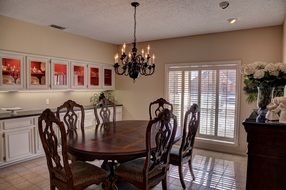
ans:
(112, 20)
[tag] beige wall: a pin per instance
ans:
(29, 38)
(284, 41)
(246, 45)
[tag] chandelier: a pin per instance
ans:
(134, 64)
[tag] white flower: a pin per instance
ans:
(259, 74)
(271, 68)
(249, 70)
(282, 67)
(259, 64)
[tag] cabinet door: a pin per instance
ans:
(78, 75)
(1, 147)
(38, 142)
(37, 73)
(60, 74)
(89, 120)
(19, 144)
(108, 77)
(94, 76)
(11, 71)
(118, 113)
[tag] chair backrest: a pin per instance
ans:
(57, 160)
(160, 136)
(191, 124)
(70, 118)
(158, 106)
(105, 111)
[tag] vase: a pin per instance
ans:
(264, 97)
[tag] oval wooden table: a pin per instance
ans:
(122, 140)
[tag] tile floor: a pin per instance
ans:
(212, 170)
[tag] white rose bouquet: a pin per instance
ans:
(262, 74)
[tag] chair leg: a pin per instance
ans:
(164, 183)
(52, 187)
(181, 175)
(191, 169)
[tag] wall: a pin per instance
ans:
(263, 44)
(24, 37)
(284, 41)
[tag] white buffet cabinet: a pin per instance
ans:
(20, 139)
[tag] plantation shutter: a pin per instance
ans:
(175, 92)
(214, 87)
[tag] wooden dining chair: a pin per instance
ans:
(65, 176)
(71, 118)
(105, 111)
(182, 155)
(158, 106)
(147, 172)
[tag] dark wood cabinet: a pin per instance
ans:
(266, 167)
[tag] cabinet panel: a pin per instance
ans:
(11, 71)
(19, 144)
(18, 123)
(108, 77)
(118, 113)
(60, 75)
(38, 143)
(1, 147)
(38, 73)
(78, 75)
(94, 76)
(89, 120)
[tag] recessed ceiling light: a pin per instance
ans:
(232, 20)
(57, 27)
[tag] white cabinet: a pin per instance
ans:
(78, 75)
(19, 71)
(11, 71)
(38, 72)
(18, 138)
(60, 73)
(108, 77)
(38, 143)
(1, 144)
(94, 74)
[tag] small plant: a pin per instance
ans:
(96, 97)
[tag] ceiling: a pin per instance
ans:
(112, 20)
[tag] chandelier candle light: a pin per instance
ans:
(134, 64)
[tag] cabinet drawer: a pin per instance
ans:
(19, 122)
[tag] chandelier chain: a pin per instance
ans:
(135, 25)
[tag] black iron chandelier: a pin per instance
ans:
(134, 64)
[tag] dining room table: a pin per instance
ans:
(113, 142)
(120, 140)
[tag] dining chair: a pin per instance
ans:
(105, 111)
(157, 106)
(183, 154)
(65, 175)
(147, 172)
(71, 118)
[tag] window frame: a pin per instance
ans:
(209, 65)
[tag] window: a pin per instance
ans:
(212, 85)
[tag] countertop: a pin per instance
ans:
(30, 113)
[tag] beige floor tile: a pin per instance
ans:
(212, 170)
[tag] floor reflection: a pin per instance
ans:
(212, 171)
